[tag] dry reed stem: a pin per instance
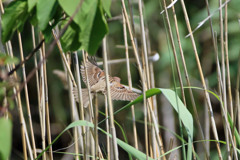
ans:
(35, 64)
(230, 99)
(130, 83)
(237, 105)
(107, 127)
(156, 151)
(110, 106)
(77, 73)
(18, 99)
(48, 124)
(228, 133)
(27, 99)
(177, 67)
(207, 130)
(159, 141)
(96, 126)
(202, 79)
(188, 82)
(72, 106)
(224, 93)
(80, 104)
(147, 75)
(42, 113)
(64, 58)
(90, 107)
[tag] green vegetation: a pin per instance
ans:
(188, 106)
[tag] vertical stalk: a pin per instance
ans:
(107, 127)
(73, 105)
(188, 82)
(230, 100)
(177, 67)
(18, 100)
(90, 111)
(47, 104)
(224, 93)
(202, 79)
(110, 106)
(130, 82)
(27, 97)
(42, 113)
(159, 141)
(81, 109)
(96, 126)
(37, 76)
(237, 104)
(156, 149)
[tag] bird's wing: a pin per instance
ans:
(120, 92)
(93, 71)
(85, 96)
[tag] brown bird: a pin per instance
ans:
(96, 77)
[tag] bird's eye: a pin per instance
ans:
(98, 75)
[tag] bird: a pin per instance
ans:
(97, 83)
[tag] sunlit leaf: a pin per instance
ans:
(31, 4)
(91, 21)
(45, 12)
(184, 115)
(14, 18)
(70, 39)
(106, 6)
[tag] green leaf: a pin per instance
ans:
(174, 100)
(31, 4)
(138, 154)
(236, 134)
(181, 109)
(91, 21)
(94, 27)
(106, 6)
(70, 7)
(6, 59)
(14, 18)
(47, 32)
(5, 138)
(70, 38)
(131, 150)
(45, 12)
(184, 115)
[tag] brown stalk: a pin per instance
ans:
(115, 154)
(27, 99)
(130, 83)
(18, 98)
(202, 79)
(188, 81)
(73, 112)
(80, 105)
(142, 78)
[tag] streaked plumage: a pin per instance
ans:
(96, 77)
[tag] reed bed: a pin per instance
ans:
(184, 65)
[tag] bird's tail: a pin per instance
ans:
(85, 96)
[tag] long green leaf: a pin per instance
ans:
(184, 115)
(174, 100)
(136, 153)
